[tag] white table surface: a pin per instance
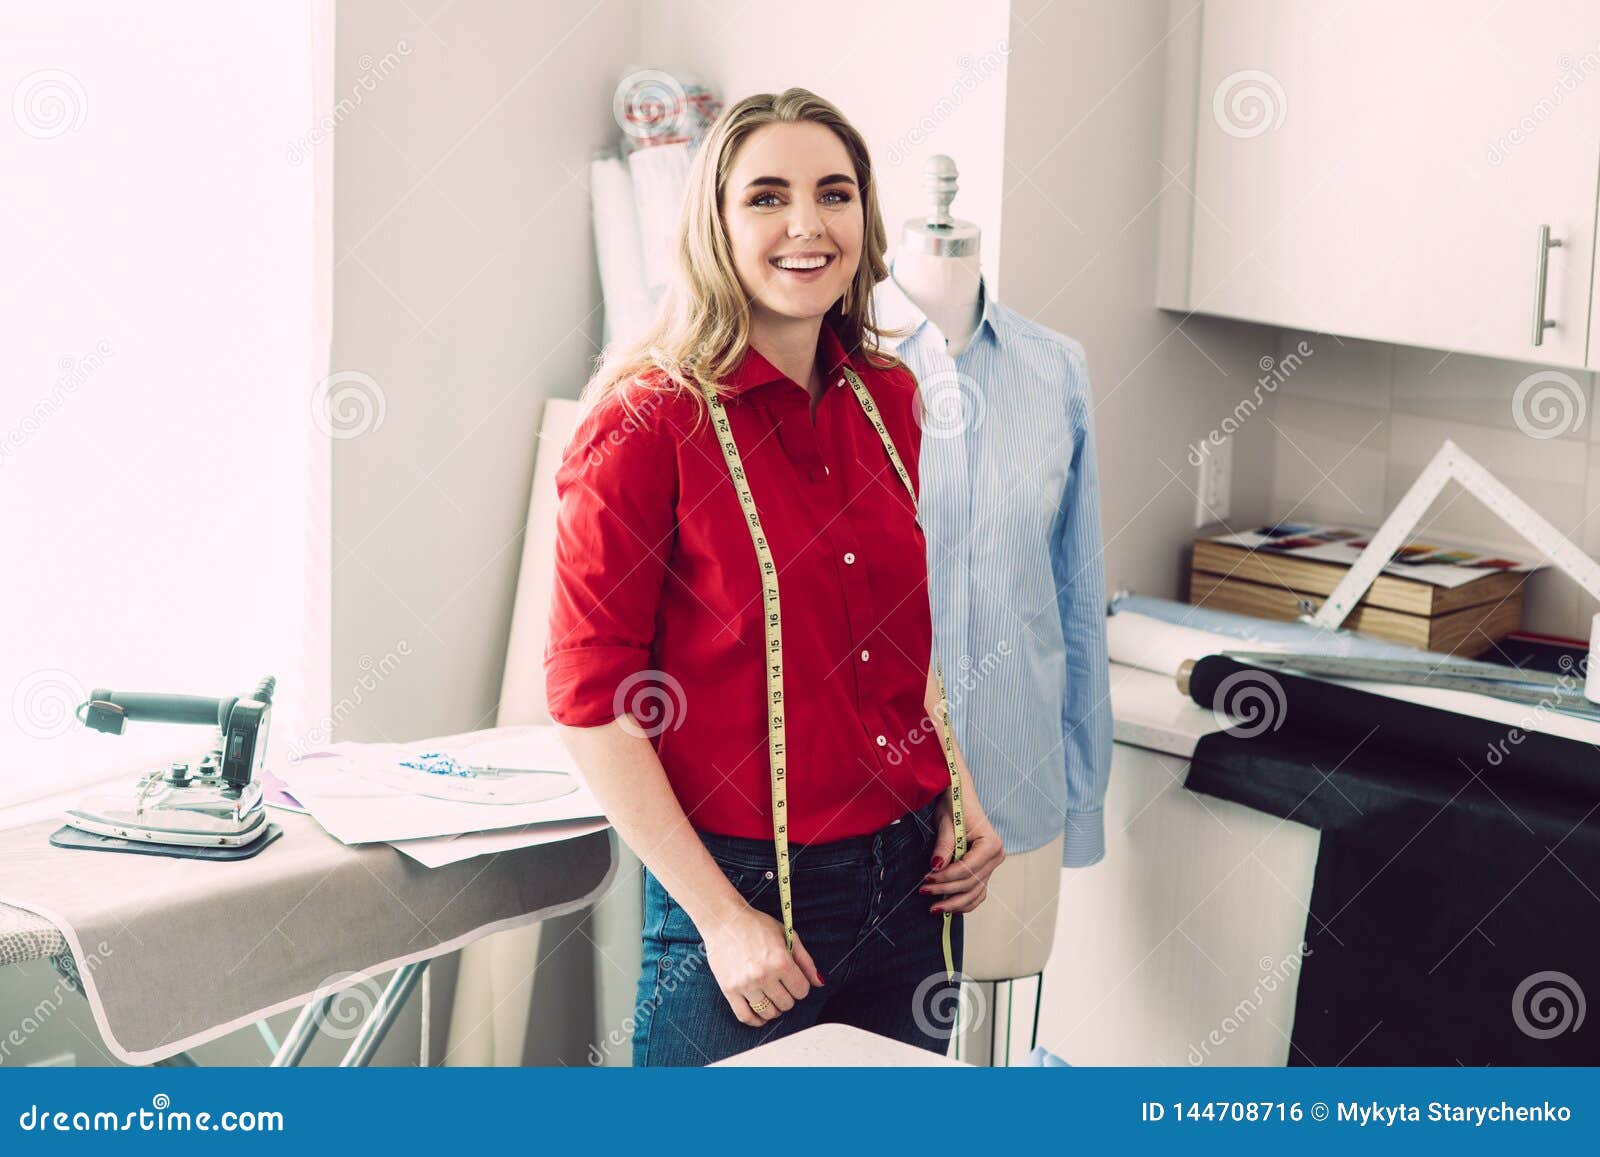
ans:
(838, 1046)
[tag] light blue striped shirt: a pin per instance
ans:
(1010, 504)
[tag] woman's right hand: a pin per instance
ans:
(750, 962)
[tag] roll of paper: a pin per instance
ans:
(660, 175)
(1136, 640)
(629, 305)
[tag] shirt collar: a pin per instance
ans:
(897, 311)
(755, 370)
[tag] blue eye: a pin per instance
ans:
(759, 198)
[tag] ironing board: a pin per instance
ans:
(26, 936)
(307, 921)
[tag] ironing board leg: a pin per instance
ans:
(377, 1025)
(1038, 1000)
(301, 1033)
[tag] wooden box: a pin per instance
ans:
(1464, 620)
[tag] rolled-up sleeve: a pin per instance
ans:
(615, 530)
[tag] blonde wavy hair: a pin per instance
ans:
(703, 326)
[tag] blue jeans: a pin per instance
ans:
(858, 912)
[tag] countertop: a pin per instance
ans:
(1149, 711)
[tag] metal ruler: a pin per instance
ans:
(1452, 463)
(1531, 688)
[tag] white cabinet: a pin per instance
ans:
(1383, 170)
(1183, 946)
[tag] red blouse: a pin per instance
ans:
(657, 611)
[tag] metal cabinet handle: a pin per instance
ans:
(1541, 278)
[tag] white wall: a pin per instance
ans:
(1085, 183)
(466, 289)
(1369, 416)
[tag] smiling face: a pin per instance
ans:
(791, 197)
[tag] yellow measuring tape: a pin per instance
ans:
(773, 625)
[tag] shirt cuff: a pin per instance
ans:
(1085, 841)
(585, 686)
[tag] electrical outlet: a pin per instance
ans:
(1215, 491)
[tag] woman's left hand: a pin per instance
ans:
(963, 885)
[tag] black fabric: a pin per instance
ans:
(1536, 653)
(1455, 910)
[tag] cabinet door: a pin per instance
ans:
(1195, 897)
(1382, 170)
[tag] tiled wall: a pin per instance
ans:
(1355, 423)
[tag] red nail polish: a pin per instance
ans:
(926, 891)
(937, 911)
(938, 862)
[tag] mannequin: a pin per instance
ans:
(1009, 936)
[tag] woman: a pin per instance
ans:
(747, 746)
